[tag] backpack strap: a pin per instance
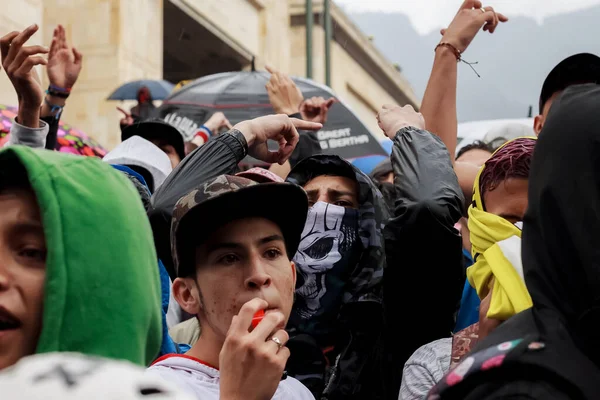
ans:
(483, 360)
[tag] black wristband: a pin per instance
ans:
(57, 94)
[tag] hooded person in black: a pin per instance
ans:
(338, 308)
(383, 176)
(424, 276)
(383, 314)
(551, 350)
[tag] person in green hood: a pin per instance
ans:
(77, 260)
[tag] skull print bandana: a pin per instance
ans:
(362, 279)
(329, 251)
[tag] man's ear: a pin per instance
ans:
(293, 265)
(538, 123)
(186, 294)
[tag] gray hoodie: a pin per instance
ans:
(30, 137)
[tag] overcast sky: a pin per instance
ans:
(428, 15)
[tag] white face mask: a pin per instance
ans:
(519, 224)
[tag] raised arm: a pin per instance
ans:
(439, 102)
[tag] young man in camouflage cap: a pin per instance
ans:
(232, 252)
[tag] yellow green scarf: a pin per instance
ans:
(496, 249)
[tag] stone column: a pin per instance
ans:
(275, 36)
(121, 40)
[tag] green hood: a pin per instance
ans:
(102, 291)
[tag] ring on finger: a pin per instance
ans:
(483, 10)
(277, 341)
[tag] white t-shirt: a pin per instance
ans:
(202, 380)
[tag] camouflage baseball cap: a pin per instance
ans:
(260, 175)
(228, 198)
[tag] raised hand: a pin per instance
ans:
(279, 128)
(127, 118)
(216, 122)
(64, 61)
(316, 109)
(284, 95)
(468, 21)
(251, 363)
(392, 118)
(18, 62)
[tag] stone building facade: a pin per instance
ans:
(124, 40)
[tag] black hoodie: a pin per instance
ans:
(353, 325)
(424, 276)
(554, 352)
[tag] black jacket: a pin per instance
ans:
(308, 145)
(354, 323)
(422, 282)
(52, 131)
(217, 157)
(558, 356)
(424, 277)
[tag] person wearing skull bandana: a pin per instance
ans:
(344, 343)
(340, 263)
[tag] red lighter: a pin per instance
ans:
(260, 314)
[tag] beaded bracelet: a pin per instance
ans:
(57, 91)
(458, 55)
(451, 47)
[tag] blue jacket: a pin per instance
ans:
(167, 346)
(468, 314)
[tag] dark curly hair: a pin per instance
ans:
(476, 145)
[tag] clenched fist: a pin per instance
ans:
(392, 118)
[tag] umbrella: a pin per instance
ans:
(367, 164)
(242, 96)
(181, 84)
(69, 139)
(159, 90)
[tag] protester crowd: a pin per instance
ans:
(166, 271)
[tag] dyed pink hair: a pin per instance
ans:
(511, 161)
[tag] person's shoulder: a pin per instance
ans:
(504, 370)
(427, 365)
(196, 378)
(185, 366)
(186, 332)
(437, 350)
(292, 389)
(434, 356)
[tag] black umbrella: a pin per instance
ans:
(242, 96)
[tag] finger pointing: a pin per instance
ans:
(306, 125)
